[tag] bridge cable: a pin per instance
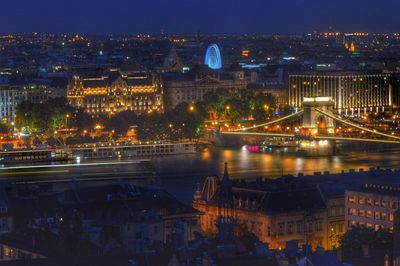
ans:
(270, 122)
(330, 115)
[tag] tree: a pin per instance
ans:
(262, 106)
(352, 242)
(241, 105)
(247, 238)
(153, 127)
(24, 116)
(187, 123)
(4, 128)
(59, 109)
(42, 116)
(121, 122)
(216, 102)
(83, 121)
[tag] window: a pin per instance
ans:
(290, 228)
(9, 252)
(352, 211)
(393, 205)
(281, 228)
(383, 216)
(310, 227)
(384, 203)
(377, 216)
(361, 200)
(352, 199)
(361, 213)
(391, 217)
(299, 226)
(369, 214)
(3, 210)
(377, 202)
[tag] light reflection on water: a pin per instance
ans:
(180, 174)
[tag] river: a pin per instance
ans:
(181, 174)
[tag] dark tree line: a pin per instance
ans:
(352, 242)
(186, 121)
(33, 117)
(237, 107)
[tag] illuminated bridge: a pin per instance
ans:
(317, 121)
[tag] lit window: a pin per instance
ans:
(352, 199)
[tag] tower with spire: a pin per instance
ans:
(173, 62)
(225, 220)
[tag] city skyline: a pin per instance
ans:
(180, 133)
(177, 17)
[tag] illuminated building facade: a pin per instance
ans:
(9, 100)
(192, 86)
(115, 92)
(353, 94)
(213, 57)
(273, 216)
(373, 205)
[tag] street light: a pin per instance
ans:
(227, 107)
(191, 108)
(66, 120)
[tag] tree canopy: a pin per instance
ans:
(42, 116)
(239, 106)
(356, 237)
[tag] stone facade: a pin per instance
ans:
(115, 92)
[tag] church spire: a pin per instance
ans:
(225, 221)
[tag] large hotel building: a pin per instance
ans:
(114, 92)
(353, 93)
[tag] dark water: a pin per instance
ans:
(180, 174)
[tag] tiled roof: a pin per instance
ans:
(293, 200)
(95, 83)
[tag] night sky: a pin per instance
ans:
(208, 16)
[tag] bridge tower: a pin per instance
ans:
(313, 121)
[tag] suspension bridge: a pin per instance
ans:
(317, 121)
